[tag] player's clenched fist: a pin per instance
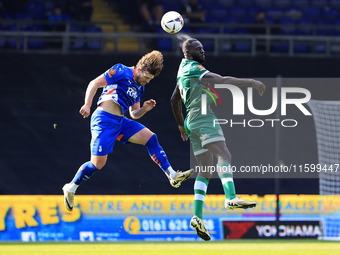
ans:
(85, 110)
(149, 105)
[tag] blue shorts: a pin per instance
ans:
(106, 128)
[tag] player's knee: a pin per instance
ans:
(99, 164)
(228, 156)
(152, 139)
(225, 154)
(224, 157)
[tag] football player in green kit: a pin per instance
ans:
(207, 140)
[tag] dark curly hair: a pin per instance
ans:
(151, 62)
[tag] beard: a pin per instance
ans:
(199, 58)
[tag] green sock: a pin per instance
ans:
(200, 189)
(227, 181)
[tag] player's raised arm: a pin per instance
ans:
(136, 111)
(258, 85)
(176, 105)
(91, 90)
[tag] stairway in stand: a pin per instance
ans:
(104, 13)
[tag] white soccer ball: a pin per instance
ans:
(172, 22)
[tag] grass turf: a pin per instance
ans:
(230, 247)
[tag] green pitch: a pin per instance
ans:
(239, 247)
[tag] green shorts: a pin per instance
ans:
(201, 130)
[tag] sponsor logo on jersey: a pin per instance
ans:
(201, 67)
(132, 92)
(111, 72)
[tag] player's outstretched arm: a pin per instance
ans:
(258, 85)
(136, 111)
(176, 105)
(91, 90)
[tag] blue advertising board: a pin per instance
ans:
(120, 218)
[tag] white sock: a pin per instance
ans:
(171, 172)
(72, 187)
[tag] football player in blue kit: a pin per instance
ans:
(122, 88)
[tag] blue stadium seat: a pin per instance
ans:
(11, 27)
(241, 30)
(93, 43)
(163, 44)
(274, 12)
(252, 10)
(174, 5)
(218, 13)
(311, 13)
(270, 20)
(280, 47)
(247, 20)
(335, 4)
(208, 44)
(237, 12)
(229, 20)
(245, 3)
(212, 19)
(244, 29)
(186, 30)
(329, 14)
(319, 48)
(287, 26)
(281, 3)
(293, 12)
(207, 4)
(300, 47)
(335, 31)
(305, 27)
(242, 45)
(263, 3)
(300, 3)
(35, 42)
(323, 31)
(207, 30)
(48, 6)
(23, 17)
(67, 17)
(35, 9)
(226, 3)
(8, 16)
(318, 3)
(76, 42)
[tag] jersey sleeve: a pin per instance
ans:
(114, 74)
(199, 71)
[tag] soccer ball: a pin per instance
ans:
(172, 22)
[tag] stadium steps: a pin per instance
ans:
(103, 13)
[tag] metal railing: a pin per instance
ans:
(216, 43)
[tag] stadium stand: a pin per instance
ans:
(287, 18)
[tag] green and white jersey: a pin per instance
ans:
(189, 75)
(199, 127)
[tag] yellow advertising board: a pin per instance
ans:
(51, 209)
(132, 217)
